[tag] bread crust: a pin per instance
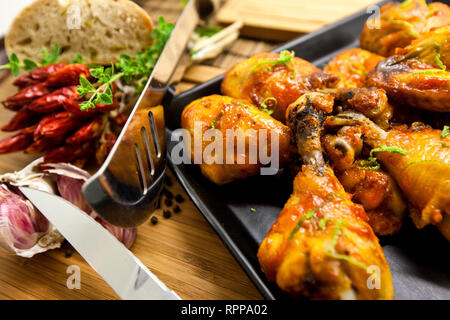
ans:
(98, 30)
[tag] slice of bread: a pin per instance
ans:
(98, 30)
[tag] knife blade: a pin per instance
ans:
(124, 273)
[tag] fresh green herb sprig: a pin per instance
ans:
(311, 214)
(137, 69)
(134, 70)
(29, 65)
(444, 132)
(241, 104)
(430, 71)
(372, 163)
(102, 93)
(285, 57)
(264, 105)
(331, 252)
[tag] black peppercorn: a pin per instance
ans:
(168, 202)
(154, 220)
(179, 198)
(167, 214)
(169, 195)
(68, 253)
(177, 209)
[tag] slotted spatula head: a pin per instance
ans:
(125, 190)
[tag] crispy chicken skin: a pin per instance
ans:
(321, 246)
(423, 173)
(256, 80)
(375, 190)
(418, 77)
(399, 24)
(226, 113)
(372, 102)
(304, 265)
(352, 67)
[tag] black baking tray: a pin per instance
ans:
(419, 260)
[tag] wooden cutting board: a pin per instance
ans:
(184, 252)
(282, 20)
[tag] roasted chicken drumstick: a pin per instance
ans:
(275, 79)
(222, 114)
(401, 23)
(421, 169)
(418, 77)
(321, 246)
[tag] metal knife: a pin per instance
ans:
(126, 275)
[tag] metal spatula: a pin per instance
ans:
(125, 189)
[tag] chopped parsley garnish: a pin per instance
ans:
(311, 215)
(444, 132)
(285, 58)
(331, 252)
(241, 104)
(431, 71)
(264, 105)
(372, 163)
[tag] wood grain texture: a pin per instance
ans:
(283, 20)
(183, 251)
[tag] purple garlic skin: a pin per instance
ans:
(124, 235)
(20, 220)
(69, 181)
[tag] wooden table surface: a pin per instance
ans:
(183, 251)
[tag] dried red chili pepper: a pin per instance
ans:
(54, 101)
(69, 75)
(25, 96)
(88, 132)
(57, 125)
(67, 153)
(44, 143)
(73, 106)
(17, 142)
(22, 119)
(37, 75)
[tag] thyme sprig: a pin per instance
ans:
(29, 65)
(134, 70)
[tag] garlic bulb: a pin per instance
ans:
(23, 229)
(69, 180)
